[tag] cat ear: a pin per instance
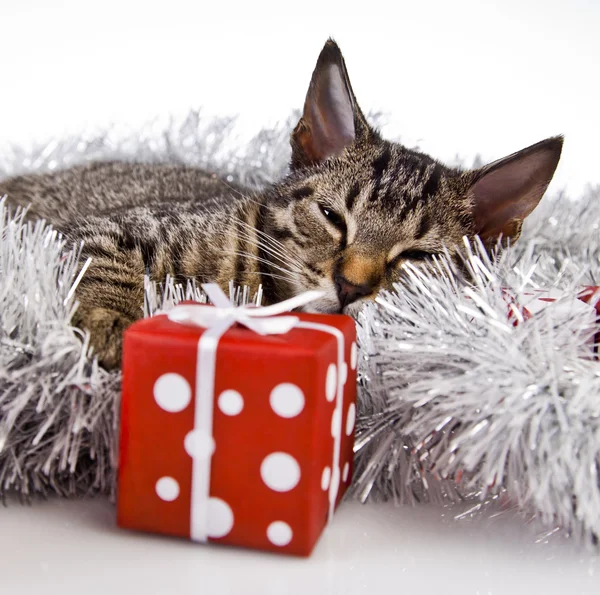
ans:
(506, 191)
(332, 119)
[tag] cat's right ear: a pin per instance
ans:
(332, 119)
(503, 193)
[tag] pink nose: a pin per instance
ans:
(348, 292)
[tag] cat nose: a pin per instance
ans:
(348, 292)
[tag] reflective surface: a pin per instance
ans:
(63, 547)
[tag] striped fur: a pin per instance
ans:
(353, 208)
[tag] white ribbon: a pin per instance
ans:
(224, 314)
(217, 320)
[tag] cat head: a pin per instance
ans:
(355, 206)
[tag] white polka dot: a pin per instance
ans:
(334, 486)
(336, 424)
(220, 518)
(231, 402)
(353, 355)
(287, 400)
(280, 471)
(351, 419)
(279, 533)
(346, 471)
(331, 382)
(198, 444)
(172, 392)
(344, 372)
(167, 489)
(325, 478)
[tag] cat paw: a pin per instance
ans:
(106, 329)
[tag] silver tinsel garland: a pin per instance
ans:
(456, 402)
(459, 403)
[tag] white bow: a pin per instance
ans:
(224, 314)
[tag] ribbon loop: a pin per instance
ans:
(261, 320)
(216, 295)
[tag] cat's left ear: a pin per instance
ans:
(331, 120)
(507, 191)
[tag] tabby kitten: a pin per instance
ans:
(353, 208)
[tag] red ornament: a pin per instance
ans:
(245, 439)
(538, 299)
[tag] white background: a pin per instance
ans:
(73, 548)
(457, 77)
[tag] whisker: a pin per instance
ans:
(277, 247)
(238, 192)
(287, 277)
(283, 258)
(276, 243)
(246, 197)
(265, 234)
(270, 275)
(288, 272)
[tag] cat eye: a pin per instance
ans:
(333, 217)
(414, 255)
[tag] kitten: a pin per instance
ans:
(353, 208)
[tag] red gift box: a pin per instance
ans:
(234, 437)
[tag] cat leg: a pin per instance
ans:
(110, 295)
(106, 328)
